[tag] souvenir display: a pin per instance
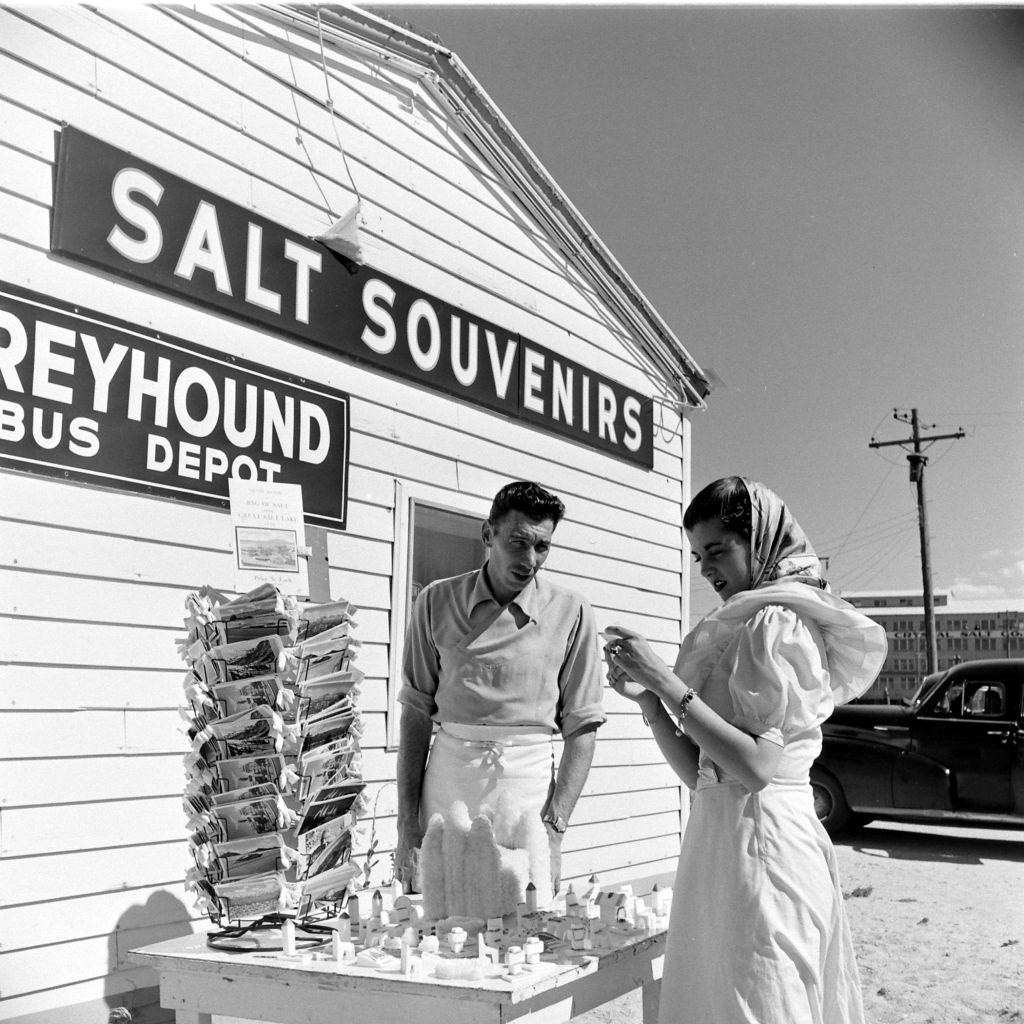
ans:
(274, 788)
(273, 778)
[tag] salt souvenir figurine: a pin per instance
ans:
(352, 908)
(533, 949)
(485, 952)
(580, 935)
(429, 944)
(376, 903)
(531, 898)
(663, 905)
(606, 906)
(572, 902)
(342, 951)
(515, 958)
(344, 929)
(288, 937)
(659, 902)
(456, 939)
(396, 891)
(623, 910)
(401, 909)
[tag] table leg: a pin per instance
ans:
(651, 993)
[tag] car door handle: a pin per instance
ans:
(1006, 734)
(891, 728)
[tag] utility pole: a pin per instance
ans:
(918, 460)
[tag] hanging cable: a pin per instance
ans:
(863, 512)
(330, 104)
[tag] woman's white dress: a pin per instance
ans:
(758, 931)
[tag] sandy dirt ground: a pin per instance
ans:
(937, 916)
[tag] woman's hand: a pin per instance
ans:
(633, 667)
(621, 683)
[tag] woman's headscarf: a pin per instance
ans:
(780, 557)
(779, 549)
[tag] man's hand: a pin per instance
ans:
(407, 855)
(555, 846)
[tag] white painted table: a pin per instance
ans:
(196, 982)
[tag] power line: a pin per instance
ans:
(865, 531)
(879, 536)
(868, 569)
(866, 572)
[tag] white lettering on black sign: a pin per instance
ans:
(86, 396)
(127, 216)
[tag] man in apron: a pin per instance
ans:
(502, 660)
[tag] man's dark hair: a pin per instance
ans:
(529, 498)
(726, 499)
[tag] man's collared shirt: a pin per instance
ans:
(534, 663)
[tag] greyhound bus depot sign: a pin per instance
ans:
(130, 217)
(86, 397)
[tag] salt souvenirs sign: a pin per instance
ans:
(128, 216)
(91, 398)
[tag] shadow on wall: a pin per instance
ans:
(136, 999)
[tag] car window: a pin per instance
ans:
(972, 698)
(949, 701)
(985, 700)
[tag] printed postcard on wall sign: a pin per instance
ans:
(268, 531)
(87, 397)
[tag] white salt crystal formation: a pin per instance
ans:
(481, 868)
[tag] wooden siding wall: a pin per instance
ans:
(92, 581)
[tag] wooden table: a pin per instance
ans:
(196, 982)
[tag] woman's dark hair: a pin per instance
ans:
(726, 499)
(529, 498)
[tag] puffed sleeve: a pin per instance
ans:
(421, 662)
(778, 681)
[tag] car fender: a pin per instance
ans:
(922, 783)
(864, 769)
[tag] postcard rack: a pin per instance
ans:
(274, 784)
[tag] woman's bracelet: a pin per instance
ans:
(684, 707)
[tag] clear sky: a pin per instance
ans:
(826, 205)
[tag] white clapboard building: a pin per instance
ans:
(298, 245)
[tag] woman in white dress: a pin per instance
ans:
(758, 932)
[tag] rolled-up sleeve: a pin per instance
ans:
(580, 684)
(421, 663)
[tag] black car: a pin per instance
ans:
(954, 754)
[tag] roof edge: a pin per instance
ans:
(452, 82)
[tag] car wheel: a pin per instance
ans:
(830, 803)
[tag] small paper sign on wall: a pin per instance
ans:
(269, 536)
